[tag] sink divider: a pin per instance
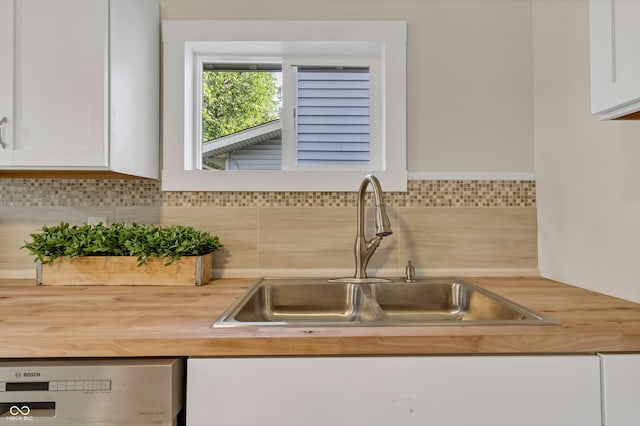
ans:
(368, 293)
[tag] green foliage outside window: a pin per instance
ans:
(234, 101)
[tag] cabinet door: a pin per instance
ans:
(134, 81)
(6, 81)
(621, 389)
(60, 83)
(615, 57)
(457, 390)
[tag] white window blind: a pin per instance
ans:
(333, 115)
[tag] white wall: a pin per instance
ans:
(470, 78)
(486, 79)
(588, 171)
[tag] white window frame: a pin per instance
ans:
(184, 42)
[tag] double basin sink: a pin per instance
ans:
(426, 302)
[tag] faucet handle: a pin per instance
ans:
(409, 273)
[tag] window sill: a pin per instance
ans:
(277, 181)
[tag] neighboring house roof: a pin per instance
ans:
(244, 138)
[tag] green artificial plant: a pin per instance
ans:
(120, 239)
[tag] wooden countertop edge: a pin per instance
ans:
(134, 324)
(332, 346)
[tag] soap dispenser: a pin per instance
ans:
(409, 273)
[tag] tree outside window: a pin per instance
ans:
(236, 100)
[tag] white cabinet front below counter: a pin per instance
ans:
(456, 390)
(621, 389)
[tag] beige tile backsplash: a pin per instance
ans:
(476, 238)
(237, 228)
(451, 226)
(317, 238)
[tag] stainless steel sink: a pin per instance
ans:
(444, 301)
(303, 301)
(426, 302)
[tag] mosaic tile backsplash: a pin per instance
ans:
(145, 193)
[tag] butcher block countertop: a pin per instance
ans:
(125, 321)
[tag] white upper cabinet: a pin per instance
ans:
(615, 57)
(86, 86)
(6, 81)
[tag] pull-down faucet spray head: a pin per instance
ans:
(383, 227)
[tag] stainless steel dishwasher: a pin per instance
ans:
(96, 392)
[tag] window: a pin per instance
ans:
(239, 122)
(328, 105)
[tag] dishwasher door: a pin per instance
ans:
(95, 392)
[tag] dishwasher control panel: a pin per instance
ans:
(57, 385)
(137, 391)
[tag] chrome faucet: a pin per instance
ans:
(363, 249)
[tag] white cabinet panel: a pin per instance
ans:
(60, 83)
(134, 89)
(456, 390)
(6, 81)
(86, 85)
(615, 57)
(621, 389)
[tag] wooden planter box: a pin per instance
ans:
(124, 270)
